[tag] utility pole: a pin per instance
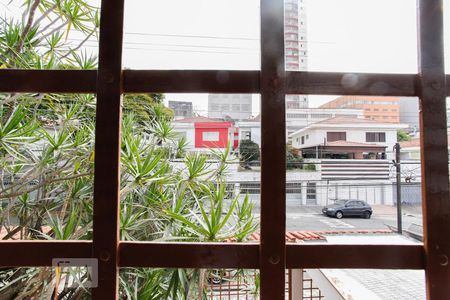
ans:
(399, 187)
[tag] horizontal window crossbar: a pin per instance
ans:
(355, 256)
(211, 81)
(48, 81)
(40, 253)
(216, 255)
(189, 255)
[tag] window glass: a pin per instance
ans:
(49, 36)
(46, 166)
(65, 282)
(358, 169)
(376, 136)
(354, 40)
(447, 35)
(198, 35)
(211, 136)
(224, 284)
(357, 284)
(173, 167)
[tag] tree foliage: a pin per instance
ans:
(249, 151)
(403, 136)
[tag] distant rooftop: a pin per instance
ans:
(415, 143)
(197, 119)
(349, 144)
(347, 120)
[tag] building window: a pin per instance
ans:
(246, 135)
(245, 107)
(295, 116)
(311, 191)
(293, 187)
(303, 140)
(214, 107)
(250, 188)
(235, 107)
(375, 137)
(212, 136)
(321, 116)
(336, 136)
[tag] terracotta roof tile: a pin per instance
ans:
(301, 236)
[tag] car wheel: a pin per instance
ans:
(367, 215)
(339, 215)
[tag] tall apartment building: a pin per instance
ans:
(382, 109)
(222, 106)
(230, 106)
(295, 46)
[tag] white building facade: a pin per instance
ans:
(351, 130)
(230, 106)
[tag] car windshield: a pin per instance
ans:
(340, 202)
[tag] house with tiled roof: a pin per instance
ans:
(410, 150)
(347, 138)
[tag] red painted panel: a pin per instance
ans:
(220, 127)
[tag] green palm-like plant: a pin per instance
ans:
(209, 220)
(14, 132)
(180, 147)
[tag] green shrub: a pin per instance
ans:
(249, 151)
(310, 167)
(293, 161)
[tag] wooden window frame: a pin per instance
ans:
(272, 256)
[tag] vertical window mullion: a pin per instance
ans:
(273, 146)
(107, 149)
(433, 132)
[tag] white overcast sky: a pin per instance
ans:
(343, 36)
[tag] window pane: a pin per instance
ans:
(46, 166)
(174, 167)
(354, 40)
(357, 284)
(67, 282)
(197, 34)
(211, 136)
(447, 35)
(349, 157)
(51, 36)
(224, 284)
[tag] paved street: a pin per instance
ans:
(311, 218)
